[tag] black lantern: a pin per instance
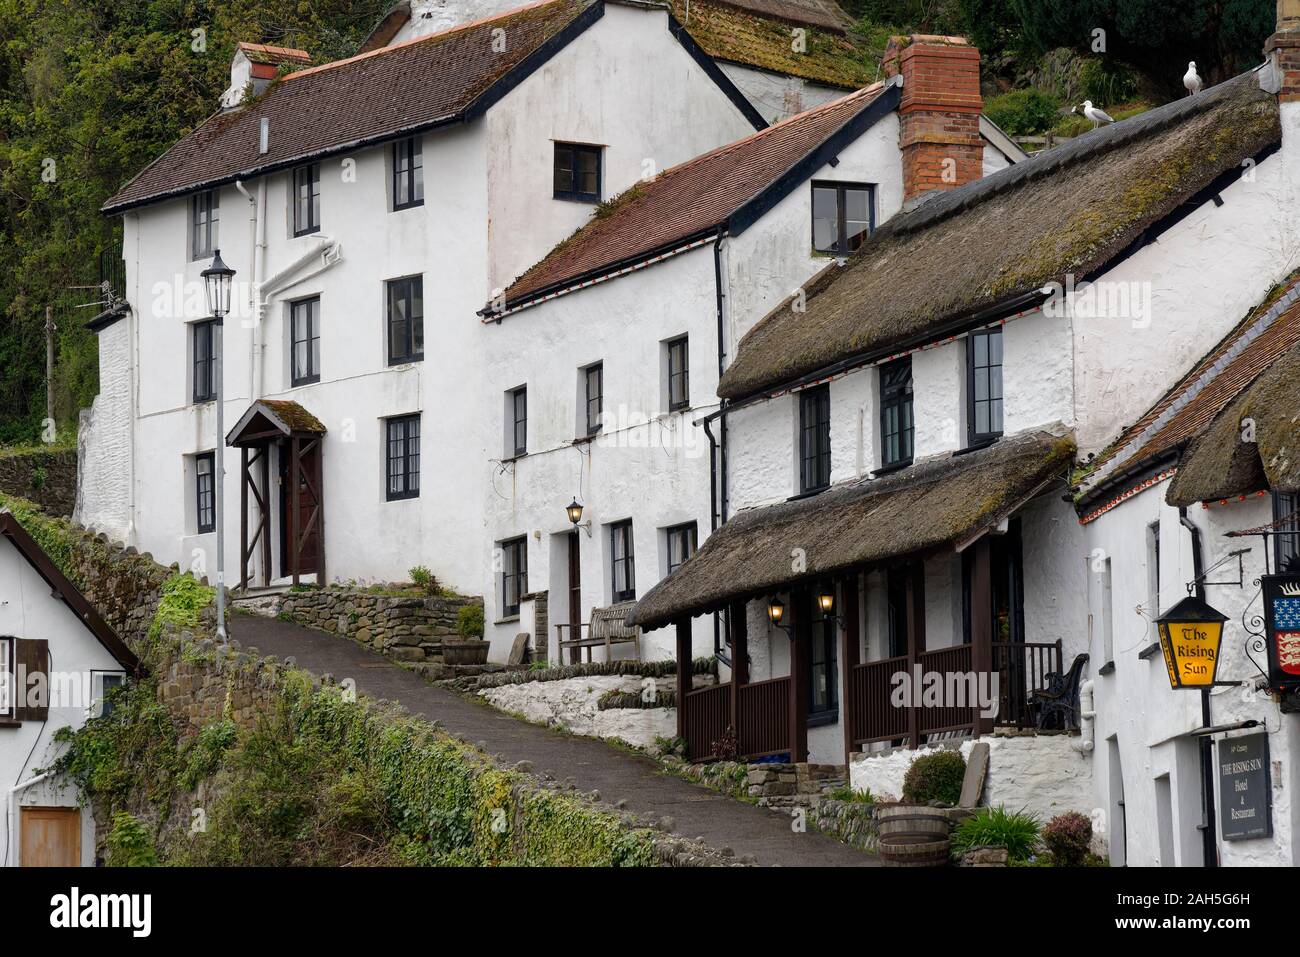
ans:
(575, 512)
(826, 601)
(217, 280)
(776, 611)
(1190, 635)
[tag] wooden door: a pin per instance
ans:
(307, 561)
(575, 594)
(51, 837)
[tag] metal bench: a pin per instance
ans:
(1061, 697)
(605, 629)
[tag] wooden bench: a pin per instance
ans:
(605, 629)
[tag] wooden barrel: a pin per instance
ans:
(912, 819)
(913, 850)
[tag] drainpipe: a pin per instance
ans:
(256, 248)
(1209, 834)
(718, 446)
(13, 796)
(1087, 717)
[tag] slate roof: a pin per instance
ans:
(968, 252)
(697, 197)
(373, 97)
(935, 504)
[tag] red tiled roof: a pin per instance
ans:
(374, 96)
(688, 200)
(262, 53)
(1202, 394)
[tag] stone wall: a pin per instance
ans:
(47, 477)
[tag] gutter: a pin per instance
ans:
(254, 248)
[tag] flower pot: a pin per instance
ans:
(464, 651)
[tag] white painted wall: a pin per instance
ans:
(778, 96)
(28, 610)
(104, 439)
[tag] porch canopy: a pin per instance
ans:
(949, 501)
(298, 434)
(946, 501)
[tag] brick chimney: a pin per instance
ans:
(1283, 47)
(939, 117)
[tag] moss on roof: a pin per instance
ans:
(294, 416)
(732, 35)
(1066, 211)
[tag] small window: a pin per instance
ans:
(594, 382)
(204, 213)
(681, 545)
(205, 360)
(984, 385)
(577, 172)
(1107, 613)
(896, 425)
(679, 382)
(102, 683)
(1286, 515)
(403, 457)
(408, 174)
(306, 199)
(622, 562)
(205, 492)
(814, 439)
(406, 320)
(843, 216)
(1153, 571)
(514, 575)
(823, 670)
(304, 322)
(517, 408)
(6, 677)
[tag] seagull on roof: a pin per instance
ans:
(1097, 116)
(1192, 79)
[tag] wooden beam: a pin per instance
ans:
(294, 461)
(800, 663)
(683, 674)
(849, 638)
(243, 518)
(321, 580)
(981, 619)
(915, 641)
(739, 628)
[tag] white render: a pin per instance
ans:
(483, 180)
(29, 610)
(571, 704)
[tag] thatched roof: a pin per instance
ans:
(1223, 462)
(934, 504)
(1072, 209)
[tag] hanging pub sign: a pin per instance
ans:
(1282, 629)
(1245, 788)
(1190, 635)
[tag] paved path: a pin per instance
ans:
(591, 764)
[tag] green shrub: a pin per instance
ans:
(1106, 82)
(425, 580)
(846, 793)
(935, 777)
(1068, 837)
(469, 621)
(1023, 112)
(996, 827)
(129, 843)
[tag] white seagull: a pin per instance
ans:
(1097, 116)
(1192, 79)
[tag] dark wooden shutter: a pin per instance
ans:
(31, 657)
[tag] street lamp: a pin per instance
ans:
(217, 281)
(1190, 635)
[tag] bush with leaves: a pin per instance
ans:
(935, 777)
(1068, 837)
(1022, 112)
(130, 843)
(998, 827)
(469, 621)
(425, 580)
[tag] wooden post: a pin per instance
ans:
(295, 515)
(915, 642)
(321, 579)
(683, 674)
(739, 664)
(800, 663)
(244, 479)
(264, 519)
(849, 637)
(981, 620)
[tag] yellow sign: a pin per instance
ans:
(1191, 652)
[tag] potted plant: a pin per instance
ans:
(469, 648)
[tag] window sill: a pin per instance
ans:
(1107, 669)
(10, 723)
(394, 363)
(891, 469)
(1150, 651)
(509, 619)
(587, 200)
(306, 232)
(416, 205)
(978, 446)
(204, 401)
(808, 494)
(823, 718)
(297, 383)
(402, 498)
(510, 459)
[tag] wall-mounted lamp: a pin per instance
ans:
(826, 602)
(574, 510)
(776, 613)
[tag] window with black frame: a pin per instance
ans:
(984, 385)
(7, 677)
(205, 212)
(205, 492)
(408, 174)
(681, 545)
(1286, 518)
(843, 216)
(306, 199)
(896, 425)
(514, 575)
(577, 172)
(594, 390)
(622, 561)
(204, 349)
(814, 439)
(823, 671)
(405, 320)
(403, 457)
(304, 332)
(517, 403)
(679, 385)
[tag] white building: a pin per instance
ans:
(370, 207)
(58, 659)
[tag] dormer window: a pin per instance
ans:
(814, 439)
(984, 385)
(896, 426)
(204, 213)
(843, 216)
(577, 172)
(408, 174)
(306, 199)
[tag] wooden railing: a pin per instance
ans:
(764, 718)
(955, 661)
(872, 714)
(708, 713)
(1022, 668)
